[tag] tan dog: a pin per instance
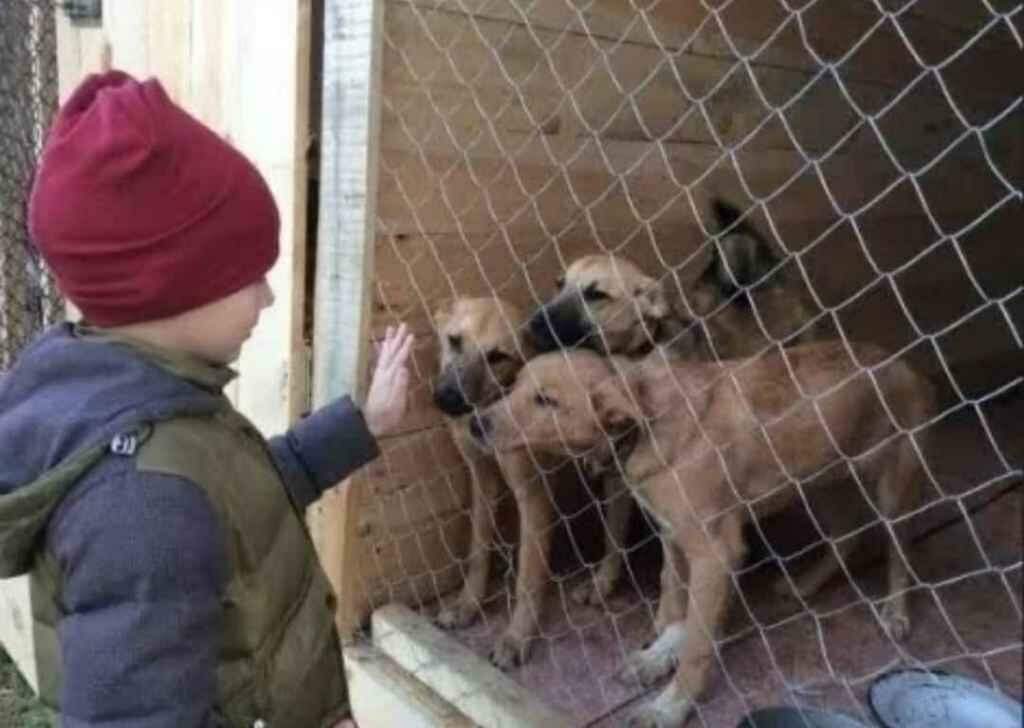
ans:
(706, 450)
(482, 351)
(608, 304)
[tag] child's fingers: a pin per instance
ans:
(401, 356)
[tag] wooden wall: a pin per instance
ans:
(518, 136)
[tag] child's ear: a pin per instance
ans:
(614, 406)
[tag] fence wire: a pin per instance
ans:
(876, 148)
(28, 96)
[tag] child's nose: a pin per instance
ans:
(267, 294)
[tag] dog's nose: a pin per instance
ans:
(540, 329)
(450, 400)
(479, 426)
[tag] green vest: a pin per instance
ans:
(280, 660)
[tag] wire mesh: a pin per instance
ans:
(875, 148)
(28, 95)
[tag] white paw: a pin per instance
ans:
(655, 661)
(668, 710)
(510, 651)
(461, 613)
(895, 620)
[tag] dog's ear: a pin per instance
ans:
(741, 257)
(615, 408)
(651, 298)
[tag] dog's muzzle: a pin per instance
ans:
(555, 326)
(451, 400)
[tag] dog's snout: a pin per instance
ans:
(540, 329)
(451, 400)
(480, 427)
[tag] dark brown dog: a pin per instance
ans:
(707, 450)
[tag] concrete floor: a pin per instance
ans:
(966, 609)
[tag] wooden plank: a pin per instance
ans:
(351, 82)
(537, 80)
(383, 694)
(761, 29)
(615, 183)
(271, 130)
(468, 681)
(17, 633)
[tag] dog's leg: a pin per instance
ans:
(536, 516)
(485, 479)
(711, 560)
(820, 572)
(620, 506)
(898, 491)
(658, 658)
(671, 602)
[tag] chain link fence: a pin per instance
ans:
(875, 147)
(28, 97)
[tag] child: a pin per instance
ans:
(174, 581)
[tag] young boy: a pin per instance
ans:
(174, 581)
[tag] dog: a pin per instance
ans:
(706, 450)
(483, 346)
(608, 304)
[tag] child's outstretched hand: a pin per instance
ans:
(387, 400)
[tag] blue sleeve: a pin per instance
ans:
(144, 566)
(323, 449)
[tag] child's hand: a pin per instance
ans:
(387, 399)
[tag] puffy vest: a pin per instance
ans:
(280, 664)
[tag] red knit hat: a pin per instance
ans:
(141, 211)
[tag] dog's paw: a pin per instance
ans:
(459, 614)
(510, 651)
(655, 661)
(665, 711)
(645, 667)
(895, 620)
(592, 592)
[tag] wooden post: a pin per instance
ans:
(348, 188)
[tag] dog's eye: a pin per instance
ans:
(543, 400)
(455, 342)
(592, 294)
(560, 283)
(497, 356)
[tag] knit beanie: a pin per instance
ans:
(141, 211)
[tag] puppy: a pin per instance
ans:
(482, 350)
(743, 299)
(706, 450)
(608, 304)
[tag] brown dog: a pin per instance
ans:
(482, 351)
(606, 303)
(706, 450)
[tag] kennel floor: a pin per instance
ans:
(776, 653)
